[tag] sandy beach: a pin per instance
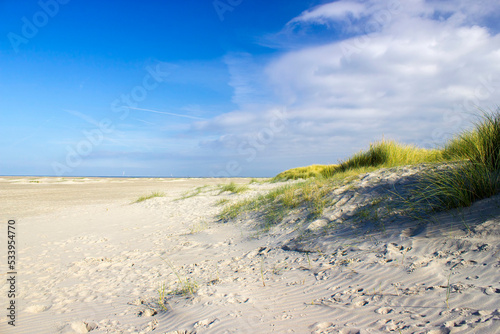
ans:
(90, 259)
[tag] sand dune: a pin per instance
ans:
(90, 260)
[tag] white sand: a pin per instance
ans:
(89, 260)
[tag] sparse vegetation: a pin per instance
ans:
(233, 188)
(309, 195)
(162, 296)
(192, 193)
(222, 201)
(474, 175)
(466, 169)
(448, 291)
(198, 227)
(187, 287)
(389, 153)
(305, 172)
(262, 272)
(152, 195)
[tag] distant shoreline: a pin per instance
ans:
(142, 177)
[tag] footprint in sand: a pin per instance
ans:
(349, 331)
(491, 290)
(323, 327)
(36, 308)
(361, 303)
(443, 330)
(83, 327)
(384, 310)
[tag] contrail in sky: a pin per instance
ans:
(166, 113)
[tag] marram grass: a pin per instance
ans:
(457, 185)
(233, 188)
(152, 195)
(384, 153)
(480, 145)
(467, 169)
(475, 176)
(303, 172)
(310, 195)
(389, 153)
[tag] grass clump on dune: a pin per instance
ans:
(152, 195)
(475, 176)
(233, 188)
(310, 195)
(467, 169)
(389, 153)
(192, 193)
(480, 145)
(303, 172)
(384, 153)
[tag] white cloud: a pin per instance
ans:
(412, 72)
(336, 10)
(246, 78)
(415, 67)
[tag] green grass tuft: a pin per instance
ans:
(222, 201)
(152, 195)
(233, 188)
(304, 172)
(384, 153)
(310, 195)
(389, 153)
(481, 145)
(475, 176)
(192, 193)
(467, 169)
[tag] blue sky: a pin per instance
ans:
(234, 88)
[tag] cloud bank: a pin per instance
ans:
(410, 70)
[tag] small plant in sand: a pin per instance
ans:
(262, 272)
(162, 297)
(308, 260)
(222, 201)
(186, 286)
(448, 291)
(152, 195)
(198, 227)
(278, 268)
(233, 188)
(192, 193)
